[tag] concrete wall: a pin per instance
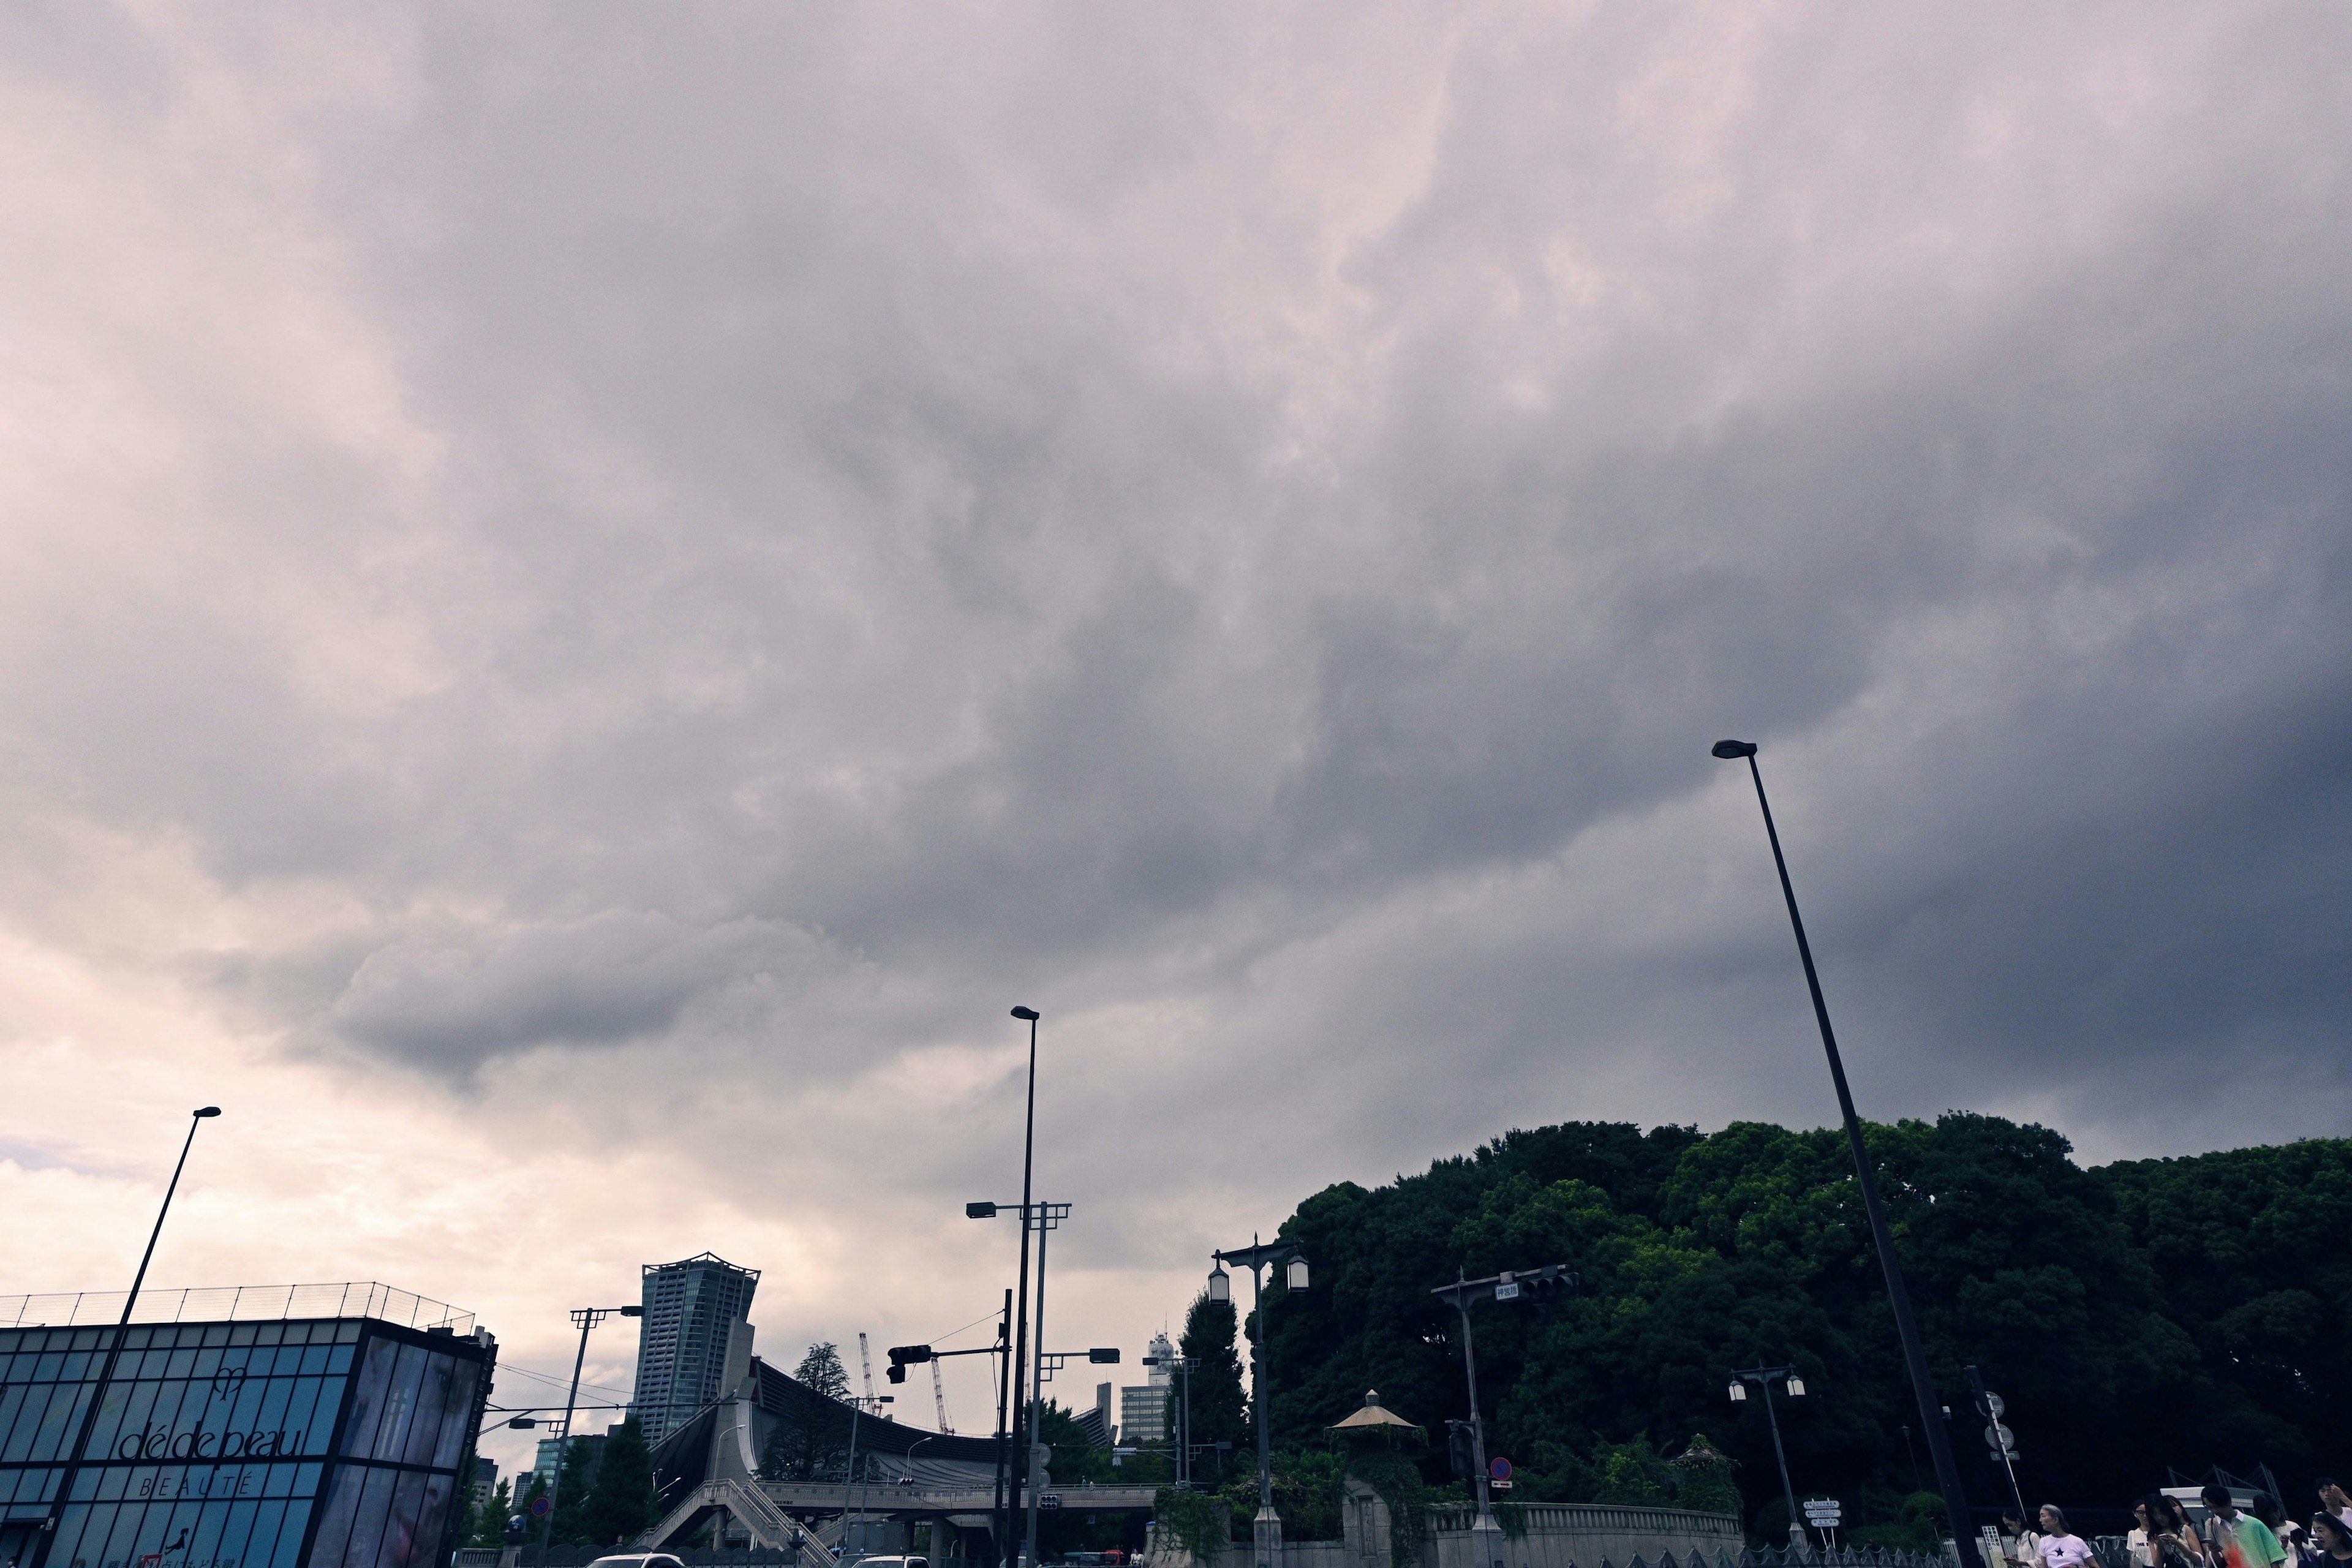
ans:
(1561, 1536)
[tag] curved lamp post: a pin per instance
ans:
(1906, 1326)
(75, 1455)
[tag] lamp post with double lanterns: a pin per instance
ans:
(1265, 1530)
(1763, 1377)
(1906, 1327)
(1541, 1287)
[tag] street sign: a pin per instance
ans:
(1499, 1486)
(2002, 1441)
(1822, 1512)
(1995, 1406)
(1499, 1467)
(1507, 1292)
(539, 1507)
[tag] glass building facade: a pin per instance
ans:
(333, 1442)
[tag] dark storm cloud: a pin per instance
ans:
(1243, 530)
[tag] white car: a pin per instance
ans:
(638, 1560)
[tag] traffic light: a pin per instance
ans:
(1101, 1357)
(1550, 1284)
(1458, 1451)
(903, 1356)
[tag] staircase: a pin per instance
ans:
(767, 1524)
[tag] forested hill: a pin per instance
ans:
(2161, 1313)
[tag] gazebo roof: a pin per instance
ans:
(1373, 1415)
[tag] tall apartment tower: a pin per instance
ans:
(697, 1313)
(1143, 1410)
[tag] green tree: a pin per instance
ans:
(575, 1481)
(810, 1438)
(621, 1504)
(1220, 1410)
(2185, 1311)
(485, 1521)
(822, 1371)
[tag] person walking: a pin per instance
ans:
(2162, 1539)
(2239, 1538)
(2290, 1534)
(2018, 1544)
(2333, 1499)
(2058, 1545)
(2331, 1540)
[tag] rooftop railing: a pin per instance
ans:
(237, 1303)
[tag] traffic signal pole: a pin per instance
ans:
(1542, 1286)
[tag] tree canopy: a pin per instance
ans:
(2173, 1312)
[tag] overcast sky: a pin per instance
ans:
(590, 593)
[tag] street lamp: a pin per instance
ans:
(584, 1318)
(1265, 1530)
(1762, 1377)
(114, 1347)
(1906, 1327)
(1021, 1316)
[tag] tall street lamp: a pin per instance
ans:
(1021, 1433)
(1265, 1530)
(584, 1318)
(75, 1455)
(1762, 1377)
(1915, 1355)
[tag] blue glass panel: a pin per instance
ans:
(204, 1536)
(125, 1429)
(367, 1524)
(109, 1430)
(12, 1405)
(339, 1358)
(46, 1369)
(80, 1365)
(463, 1377)
(276, 1393)
(367, 1400)
(314, 1360)
(236, 1534)
(111, 1480)
(182, 1364)
(400, 1403)
(401, 1523)
(335, 1522)
(308, 1412)
(432, 1403)
(61, 1421)
(290, 1537)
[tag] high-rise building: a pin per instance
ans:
(1143, 1408)
(697, 1311)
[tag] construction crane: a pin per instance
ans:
(940, 1399)
(866, 1365)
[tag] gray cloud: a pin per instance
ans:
(745, 542)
